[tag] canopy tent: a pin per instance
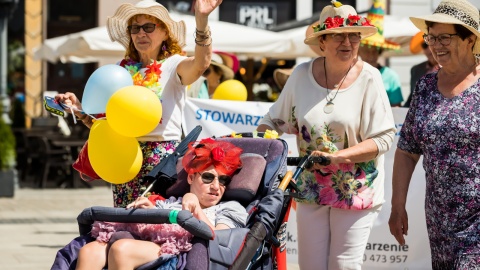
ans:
(246, 42)
(92, 44)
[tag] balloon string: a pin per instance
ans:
(75, 109)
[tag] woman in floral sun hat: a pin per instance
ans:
(337, 107)
(153, 43)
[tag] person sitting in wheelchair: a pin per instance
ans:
(210, 165)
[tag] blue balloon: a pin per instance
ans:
(101, 85)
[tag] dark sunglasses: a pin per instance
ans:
(148, 28)
(208, 178)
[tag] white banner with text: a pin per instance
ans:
(222, 117)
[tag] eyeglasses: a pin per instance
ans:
(148, 28)
(208, 178)
(353, 37)
(444, 39)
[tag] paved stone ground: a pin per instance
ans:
(36, 223)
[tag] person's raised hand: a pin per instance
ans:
(205, 7)
(398, 224)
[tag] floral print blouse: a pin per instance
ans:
(446, 131)
(361, 111)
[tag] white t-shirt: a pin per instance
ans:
(230, 213)
(173, 102)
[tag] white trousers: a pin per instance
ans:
(331, 238)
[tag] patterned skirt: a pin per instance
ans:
(153, 153)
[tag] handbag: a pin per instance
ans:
(83, 165)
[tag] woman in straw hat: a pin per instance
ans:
(153, 43)
(210, 165)
(337, 107)
(443, 125)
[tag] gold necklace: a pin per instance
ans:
(328, 108)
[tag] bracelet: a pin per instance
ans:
(172, 216)
(203, 45)
(201, 38)
(202, 32)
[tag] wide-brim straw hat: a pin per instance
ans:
(117, 24)
(315, 48)
(453, 12)
(280, 76)
(376, 16)
(339, 18)
(217, 60)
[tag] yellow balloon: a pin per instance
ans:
(115, 158)
(134, 111)
(231, 90)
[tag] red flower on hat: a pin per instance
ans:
(353, 19)
(218, 154)
(333, 22)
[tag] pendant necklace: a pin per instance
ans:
(328, 108)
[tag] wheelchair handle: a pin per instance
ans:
(286, 180)
(296, 161)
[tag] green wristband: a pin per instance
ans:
(172, 217)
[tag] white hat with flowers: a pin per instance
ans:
(339, 18)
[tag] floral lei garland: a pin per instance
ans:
(337, 21)
(152, 74)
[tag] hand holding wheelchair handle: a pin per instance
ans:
(308, 161)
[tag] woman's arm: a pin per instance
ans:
(192, 68)
(403, 167)
(362, 152)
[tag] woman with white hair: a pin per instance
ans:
(443, 125)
